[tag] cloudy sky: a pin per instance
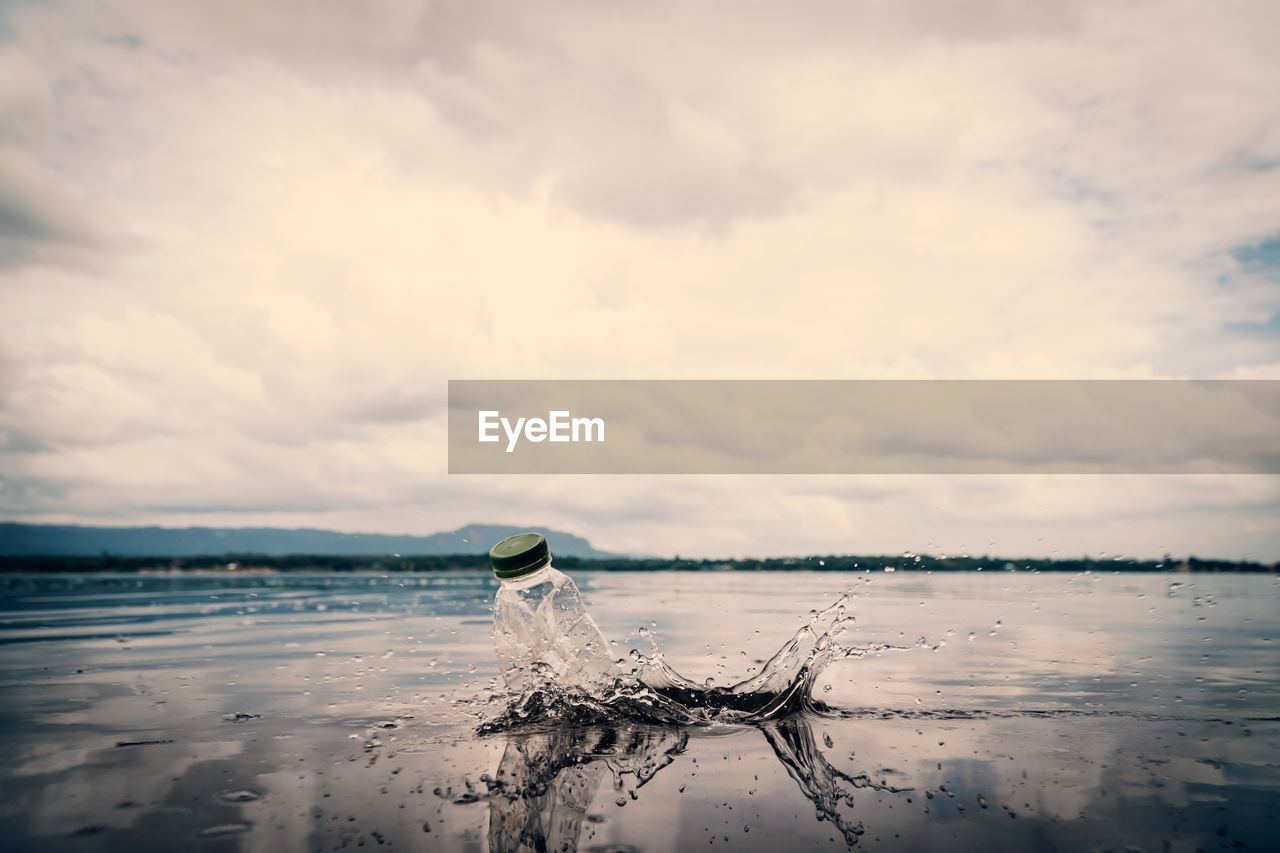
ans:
(244, 245)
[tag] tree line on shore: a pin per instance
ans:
(475, 562)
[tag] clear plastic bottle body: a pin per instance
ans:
(541, 629)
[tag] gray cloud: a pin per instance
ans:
(15, 441)
(309, 217)
(628, 109)
(395, 406)
(39, 220)
(676, 114)
(22, 496)
(43, 217)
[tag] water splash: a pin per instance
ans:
(562, 741)
(653, 692)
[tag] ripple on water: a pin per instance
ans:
(222, 830)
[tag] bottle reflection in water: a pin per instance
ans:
(541, 629)
(829, 789)
(547, 781)
(541, 802)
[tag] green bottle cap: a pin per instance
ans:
(519, 555)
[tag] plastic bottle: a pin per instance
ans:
(541, 629)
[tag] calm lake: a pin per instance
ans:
(328, 712)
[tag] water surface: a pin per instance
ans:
(321, 712)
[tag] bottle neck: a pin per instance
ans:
(531, 579)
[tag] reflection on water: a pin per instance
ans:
(829, 789)
(548, 780)
(333, 712)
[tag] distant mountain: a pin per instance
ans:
(74, 540)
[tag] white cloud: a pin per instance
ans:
(302, 225)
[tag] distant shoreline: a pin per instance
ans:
(395, 563)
